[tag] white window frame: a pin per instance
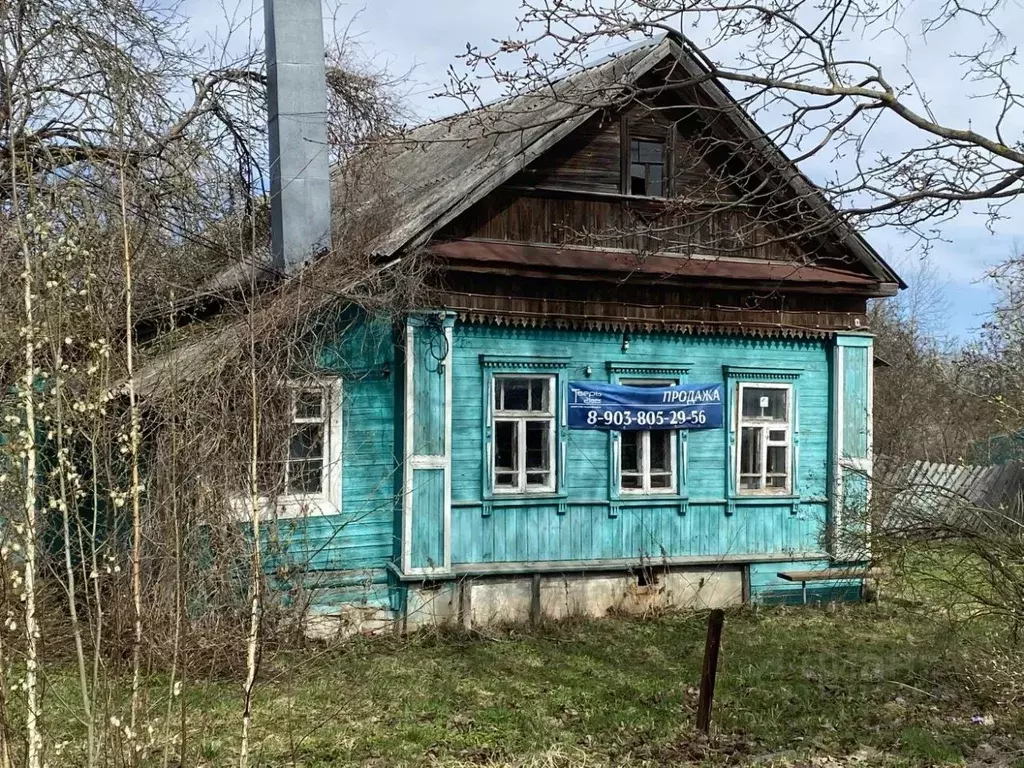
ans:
(766, 426)
(645, 449)
(328, 500)
(520, 418)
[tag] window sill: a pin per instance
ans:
(519, 499)
(284, 508)
(639, 499)
(768, 498)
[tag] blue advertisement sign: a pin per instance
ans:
(595, 405)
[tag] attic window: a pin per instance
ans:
(647, 167)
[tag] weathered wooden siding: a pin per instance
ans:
(856, 419)
(346, 554)
(577, 194)
(654, 531)
(427, 534)
(590, 159)
(637, 224)
(633, 305)
(587, 523)
(428, 391)
(585, 160)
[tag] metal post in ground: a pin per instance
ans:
(710, 670)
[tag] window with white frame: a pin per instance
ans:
(523, 434)
(647, 458)
(765, 445)
(307, 457)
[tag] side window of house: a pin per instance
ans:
(305, 466)
(523, 428)
(647, 458)
(765, 428)
(647, 167)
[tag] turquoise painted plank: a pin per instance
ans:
(765, 583)
(428, 384)
(586, 532)
(364, 535)
(855, 401)
(427, 545)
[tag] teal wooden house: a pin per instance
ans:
(629, 225)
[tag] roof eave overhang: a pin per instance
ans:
(870, 291)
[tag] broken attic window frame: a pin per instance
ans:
(648, 167)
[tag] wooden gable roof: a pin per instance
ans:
(439, 171)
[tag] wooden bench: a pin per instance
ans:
(831, 574)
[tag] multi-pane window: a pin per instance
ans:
(647, 167)
(647, 457)
(523, 425)
(765, 416)
(305, 464)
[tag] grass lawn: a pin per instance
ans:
(852, 685)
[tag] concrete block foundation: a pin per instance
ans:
(487, 601)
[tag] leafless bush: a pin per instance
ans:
(143, 367)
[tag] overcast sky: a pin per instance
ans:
(423, 37)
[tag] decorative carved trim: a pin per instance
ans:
(509, 319)
(641, 367)
(532, 362)
(761, 374)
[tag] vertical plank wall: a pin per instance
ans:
(583, 522)
(425, 531)
(586, 523)
(346, 553)
(854, 361)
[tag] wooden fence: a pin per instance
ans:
(925, 497)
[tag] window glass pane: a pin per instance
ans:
(661, 480)
(661, 451)
(651, 152)
(750, 482)
(505, 479)
(777, 459)
(630, 452)
(777, 436)
(539, 395)
(538, 454)
(506, 446)
(307, 442)
(517, 394)
(638, 180)
(632, 482)
(655, 183)
(750, 451)
(634, 151)
(537, 478)
(309, 404)
(763, 403)
(305, 476)
(776, 481)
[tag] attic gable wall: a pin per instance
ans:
(573, 194)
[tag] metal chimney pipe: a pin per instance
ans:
(300, 189)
